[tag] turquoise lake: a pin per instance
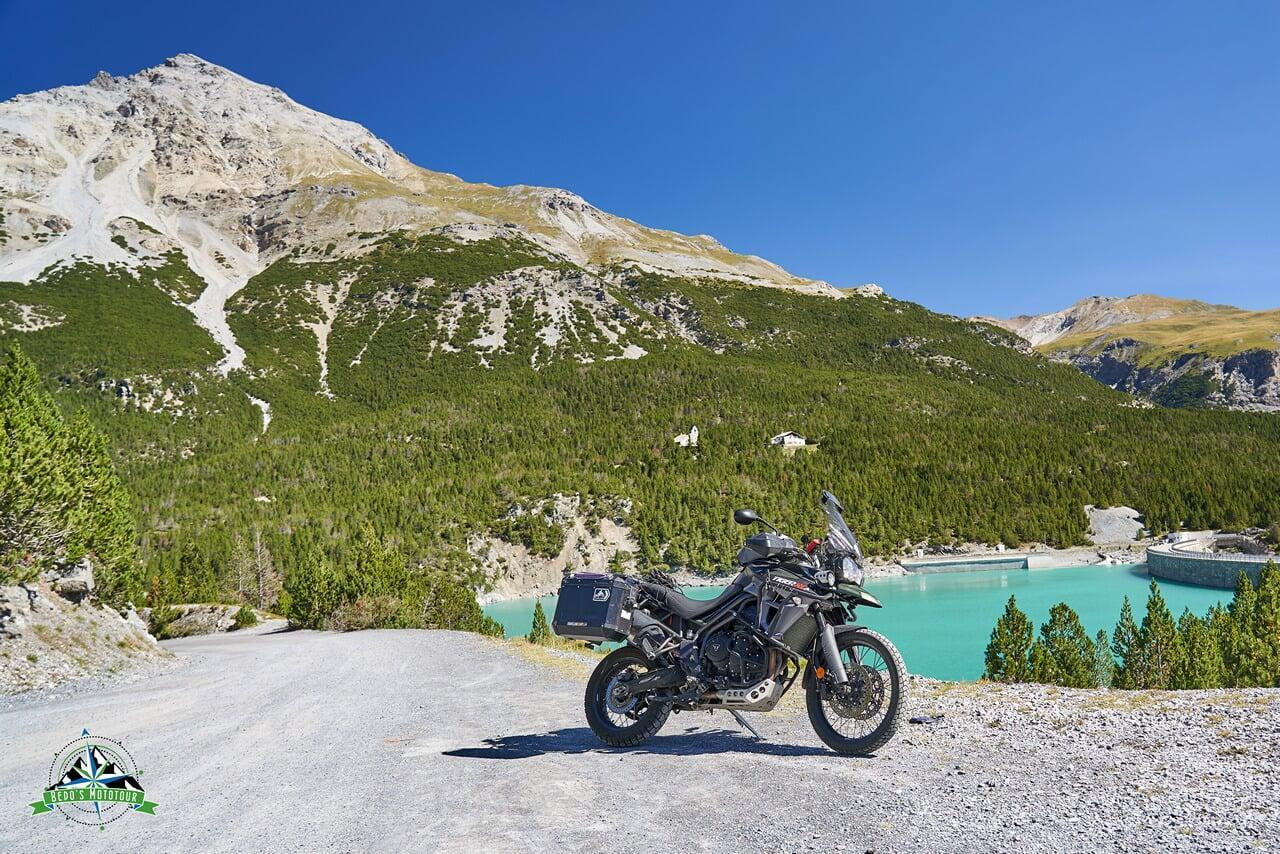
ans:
(942, 621)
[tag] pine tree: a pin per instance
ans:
(1008, 652)
(60, 497)
(1265, 627)
(1199, 663)
(1242, 650)
(1041, 666)
(541, 632)
(1104, 666)
(1064, 654)
(1158, 643)
(310, 588)
(1124, 645)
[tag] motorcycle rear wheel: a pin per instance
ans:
(625, 723)
(861, 718)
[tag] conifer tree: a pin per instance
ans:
(1008, 652)
(1157, 642)
(1265, 627)
(541, 632)
(1104, 666)
(60, 497)
(1124, 645)
(1199, 662)
(1064, 654)
(310, 589)
(1242, 650)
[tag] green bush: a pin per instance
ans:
(245, 617)
(376, 589)
(160, 619)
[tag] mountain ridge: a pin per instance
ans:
(1176, 351)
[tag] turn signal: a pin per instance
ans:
(820, 672)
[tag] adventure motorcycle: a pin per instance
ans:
(789, 611)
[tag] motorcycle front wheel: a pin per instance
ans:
(860, 717)
(622, 721)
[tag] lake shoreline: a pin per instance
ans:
(1046, 557)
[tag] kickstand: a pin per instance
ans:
(743, 721)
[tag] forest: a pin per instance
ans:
(931, 429)
(1237, 646)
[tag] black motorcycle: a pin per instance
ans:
(790, 611)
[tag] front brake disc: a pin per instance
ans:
(861, 697)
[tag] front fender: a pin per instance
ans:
(815, 651)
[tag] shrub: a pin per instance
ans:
(449, 604)
(245, 617)
(160, 619)
(366, 612)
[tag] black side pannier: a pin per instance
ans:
(593, 607)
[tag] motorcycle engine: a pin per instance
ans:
(734, 659)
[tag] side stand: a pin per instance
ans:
(743, 723)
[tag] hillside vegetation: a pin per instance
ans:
(429, 433)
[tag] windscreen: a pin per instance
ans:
(839, 537)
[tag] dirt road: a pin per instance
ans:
(389, 741)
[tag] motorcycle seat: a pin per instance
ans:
(692, 609)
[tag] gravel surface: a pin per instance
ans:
(394, 740)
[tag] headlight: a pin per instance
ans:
(848, 571)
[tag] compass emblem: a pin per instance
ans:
(93, 781)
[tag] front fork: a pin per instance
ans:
(830, 651)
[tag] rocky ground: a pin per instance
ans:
(47, 639)
(441, 741)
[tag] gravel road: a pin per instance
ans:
(396, 740)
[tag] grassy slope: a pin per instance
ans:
(1209, 330)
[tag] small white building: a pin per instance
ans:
(789, 439)
(688, 440)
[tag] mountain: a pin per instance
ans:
(286, 329)
(1177, 352)
(189, 157)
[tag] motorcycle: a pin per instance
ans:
(789, 613)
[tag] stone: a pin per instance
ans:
(73, 582)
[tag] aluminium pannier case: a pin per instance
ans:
(593, 607)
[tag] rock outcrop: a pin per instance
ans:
(51, 632)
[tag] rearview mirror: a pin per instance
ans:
(745, 517)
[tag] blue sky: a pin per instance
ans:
(976, 157)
